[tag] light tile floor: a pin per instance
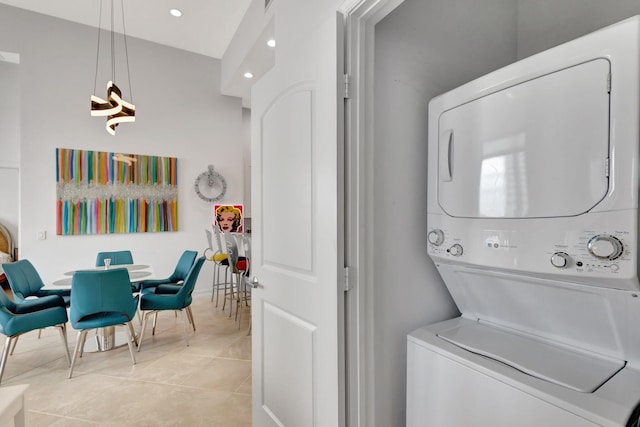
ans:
(205, 384)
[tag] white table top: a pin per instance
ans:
(130, 267)
(137, 273)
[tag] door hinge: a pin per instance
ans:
(609, 83)
(347, 285)
(606, 167)
(347, 86)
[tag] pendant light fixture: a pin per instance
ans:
(114, 108)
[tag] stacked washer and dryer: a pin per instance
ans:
(533, 188)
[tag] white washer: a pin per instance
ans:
(533, 218)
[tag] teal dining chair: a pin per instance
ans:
(116, 257)
(177, 277)
(165, 298)
(101, 299)
(25, 282)
(17, 318)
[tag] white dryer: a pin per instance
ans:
(533, 218)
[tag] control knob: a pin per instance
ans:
(455, 250)
(560, 259)
(605, 246)
(436, 237)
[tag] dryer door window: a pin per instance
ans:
(536, 149)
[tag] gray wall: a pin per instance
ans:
(543, 24)
(422, 49)
(180, 113)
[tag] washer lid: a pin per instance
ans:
(571, 368)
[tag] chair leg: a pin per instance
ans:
(155, 321)
(217, 283)
(232, 297)
(13, 344)
(130, 337)
(139, 313)
(226, 286)
(190, 316)
(133, 333)
(78, 349)
(238, 294)
(84, 340)
(216, 273)
(184, 326)
(63, 333)
(144, 326)
(241, 309)
(5, 354)
(224, 296)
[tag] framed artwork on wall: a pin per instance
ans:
(100, 192)
(229, 218)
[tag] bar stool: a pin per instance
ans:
(239, 268)
(220, 261)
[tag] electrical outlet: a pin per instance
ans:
(42, 235)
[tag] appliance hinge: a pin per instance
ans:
(347, 285)
(347, 87)
(609, 82)
(606, 167)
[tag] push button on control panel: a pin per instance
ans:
(560, 259)
(455, 250)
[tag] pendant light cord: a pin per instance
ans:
(126, 51)
(113, 47)
(113, 50)
(95, 80)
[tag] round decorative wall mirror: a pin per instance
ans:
(210, 186)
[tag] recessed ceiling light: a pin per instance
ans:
(176, 12)
(248, 75)
(271, 43)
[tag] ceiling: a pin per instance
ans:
(205, 27)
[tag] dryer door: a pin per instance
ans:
(536, 149)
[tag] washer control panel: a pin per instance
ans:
(444, 244)
(596, 248)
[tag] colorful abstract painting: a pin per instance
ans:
(100, 192)
(229, 218)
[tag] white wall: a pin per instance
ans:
(246, 152)
(422, 49)
(543, 24)
(179, 113)
(9, 114)
(9, 145)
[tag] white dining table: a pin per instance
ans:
(137, 273)
(106, 338)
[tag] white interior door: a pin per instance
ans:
(297, 217)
